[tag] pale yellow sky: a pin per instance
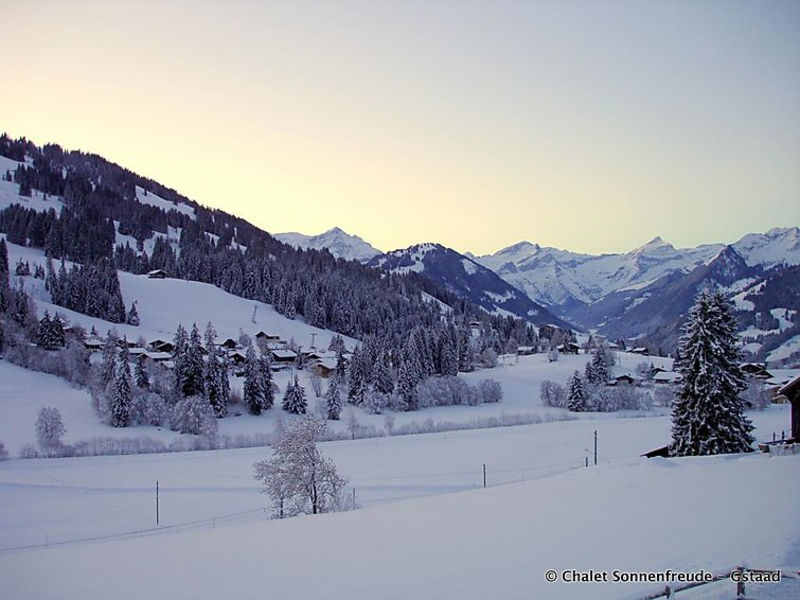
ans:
(589, 126)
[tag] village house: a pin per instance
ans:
(792, 391)
(157, 274)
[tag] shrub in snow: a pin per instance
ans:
(663, 395)
(553, 394)
(488, 358)
(49, 429)
(193, 415)
(148, 408)
(489, 391)
(29, 451)
(3, 452)
(299, 479)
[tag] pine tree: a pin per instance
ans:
(142, 379)
(44, 338)
(58, 335)
(121, 394)
(253, 390)
(600, 364)
(333, 398)
(4, 282)
(108, 366)
(133, 316)
(357, 389)
(708, 413)
(193, 374)
(577, 395)
(382, 376)
(267, 387)
(294, 399)
(216, 383)
(407, 388)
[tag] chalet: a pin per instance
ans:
(625, 378)
(159, 357)
(157, 274)
(568, 348)
(325, 367)
(759, 371)
(526, 350)
(161, 346)
(283, 356)
(641, 350)
(267, 337)
(792, 391)
(129, 343)
(230, 344)
(314, 354)
(93, 344)
(666, 377)
(136, 351)
(613, 346)
(237, 358)
(475, 324)
(663, 451)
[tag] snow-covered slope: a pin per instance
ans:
(468, 279)
(9, 191)
(340, 243)
(162, 304)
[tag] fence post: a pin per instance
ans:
(595, 447)
(740, 590)
(484, 474)
(668, 593)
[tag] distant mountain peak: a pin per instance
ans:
(337, 241)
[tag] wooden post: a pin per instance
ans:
(740, 590)
(157, 511)
(484, 474)
(667, 593)
(595, 447)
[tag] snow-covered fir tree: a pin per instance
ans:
(407, 388)
(267, 385)
(708, 412)
(357, 379)
(140, 373)
(382, 380)
(108, 366)
(121, 393)
(216, 384)
(333, 398)
(576, 396)
(133, 316)
(253, 388)
(294, 399)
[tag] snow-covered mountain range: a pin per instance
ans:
(468, 279)
(565, 280)
(339, 243)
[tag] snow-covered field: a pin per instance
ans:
(627, 513)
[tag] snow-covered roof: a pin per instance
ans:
(284, 354)
(667, 376)
(158, 355)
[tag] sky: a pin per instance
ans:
(590, 126)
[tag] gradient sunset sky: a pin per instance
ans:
(592, 126)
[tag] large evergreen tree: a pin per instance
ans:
(253, 389)
(708, 412)
(294, 399)
(576, 397)
(333, 398)
(121, 394)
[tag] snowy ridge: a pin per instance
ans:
(340, 243)
(468, 279)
